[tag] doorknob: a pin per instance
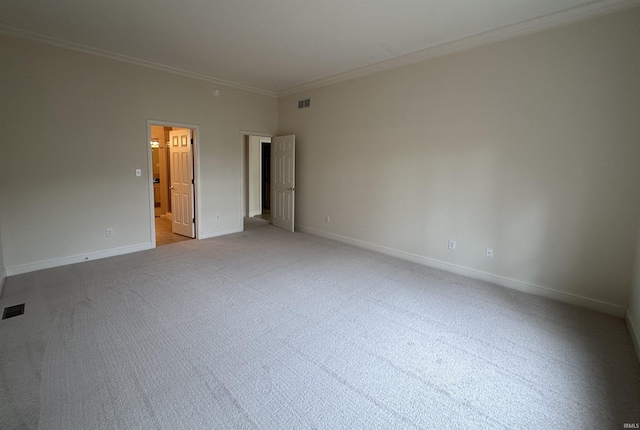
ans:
(171, 188)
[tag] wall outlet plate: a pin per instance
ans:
(452, 245)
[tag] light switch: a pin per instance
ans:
(138, 172)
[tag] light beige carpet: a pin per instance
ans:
(272, 330)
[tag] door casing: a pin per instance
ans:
(196, 172)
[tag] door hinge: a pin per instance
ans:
(194, 220)
(192, 141)
(192, 182)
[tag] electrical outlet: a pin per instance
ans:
(452, 245)
(326, 219)
(489, 252)
(109, 232)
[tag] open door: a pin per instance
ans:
(283, 181)
(180, 151)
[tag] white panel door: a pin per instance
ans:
(283, 181)
(180, 152)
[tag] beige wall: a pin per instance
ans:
(3, 210)
(3, 272)
(77, 124)
(3, 204)
(633, 311)
(528, 146)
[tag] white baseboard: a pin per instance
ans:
(502, 281)
(211, 234)
(3, 277)
(629, 318)
(55, 262)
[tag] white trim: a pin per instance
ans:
(197, 187)
(61, 43)
(209, 235)
(502, 281)
(152, 203)
(196, 174)
(629, 318)
(3, 277)
(567, 16)
(94, 255)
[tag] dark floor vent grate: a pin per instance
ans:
(13, 311)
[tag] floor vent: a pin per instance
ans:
(13, 311)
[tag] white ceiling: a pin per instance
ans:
(278, 45)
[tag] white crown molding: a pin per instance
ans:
(578, 13)
(567, 16)
(50, 40)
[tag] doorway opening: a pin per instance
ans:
(281, 176)
(257, 176)
(265, 178)
(173, 167)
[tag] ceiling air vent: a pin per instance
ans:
(304, 103)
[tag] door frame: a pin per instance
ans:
(243, 161)
(196, 173)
